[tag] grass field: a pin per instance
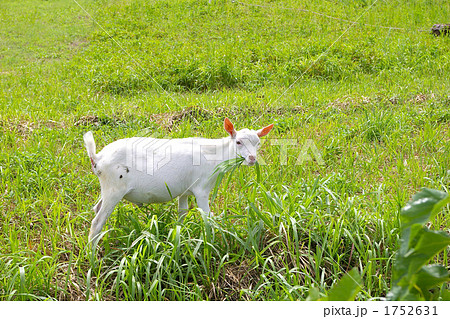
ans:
(374, 101)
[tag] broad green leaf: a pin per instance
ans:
(314, 294)
(445, 293)
(347, 288)
(401, 293)
(423, 206)
(412, 279)
(427, 244)
(431, 242)
(431, 276)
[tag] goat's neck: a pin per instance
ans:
(229, 148)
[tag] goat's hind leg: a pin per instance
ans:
(97, 206)
(104, 209)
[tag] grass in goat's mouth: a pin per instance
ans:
(223, 168)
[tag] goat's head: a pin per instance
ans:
(246, 141)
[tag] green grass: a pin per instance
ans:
(375, 103)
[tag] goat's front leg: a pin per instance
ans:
(106, 208)
(203, 201)
(182, 206)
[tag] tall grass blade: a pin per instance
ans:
(223, 168)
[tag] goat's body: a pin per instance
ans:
(158, 171)
(148, 170)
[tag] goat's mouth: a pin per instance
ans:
(250, 163)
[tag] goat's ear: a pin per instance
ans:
(264, 131)
(229, 127)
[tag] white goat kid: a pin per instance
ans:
(148, 170)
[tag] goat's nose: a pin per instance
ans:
(252, 158)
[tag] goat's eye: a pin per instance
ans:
(238, 143)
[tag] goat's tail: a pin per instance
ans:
(90, 147)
